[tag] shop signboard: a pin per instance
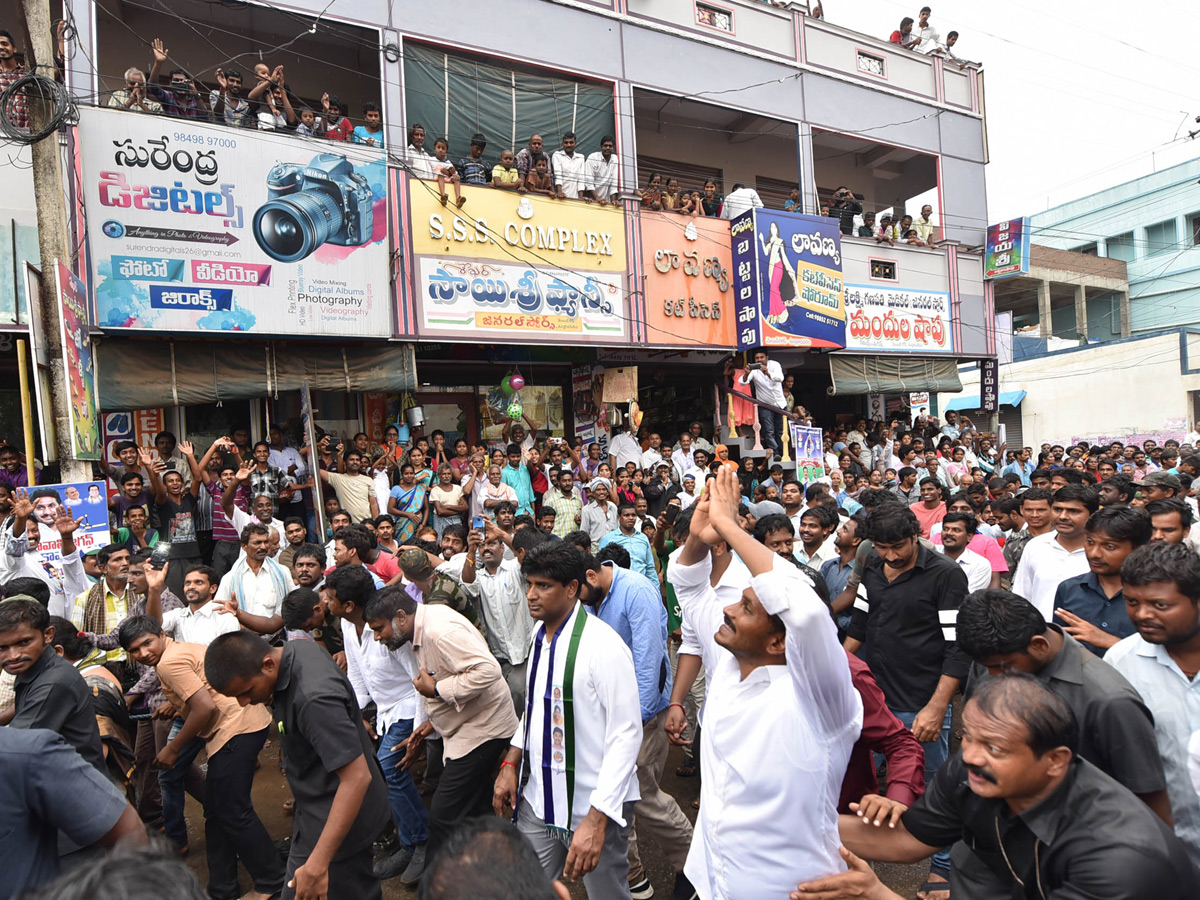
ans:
(1007, 251)
(87, 502)
(788, 280)
(918, 404)
(885, 320)
(491, 300)
(194, 227)
(79, 365)
(808, 446)
(688, 268)
(989, 385)
(514, 267)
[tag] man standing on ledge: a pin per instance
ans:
(341, 799)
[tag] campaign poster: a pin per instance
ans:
(86, 500)
(79, 365)
(788, 278)
(195, 227)
(809, 449)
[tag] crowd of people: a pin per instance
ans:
(922, 37)
(805, 646)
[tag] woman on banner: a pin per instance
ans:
(777, 264)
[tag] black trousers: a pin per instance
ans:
(232, 829)
(225, 554)
(464, 791)
(351, 878)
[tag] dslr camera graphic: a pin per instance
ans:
(325, 201)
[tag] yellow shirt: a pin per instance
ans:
(115, 610)
(505, 176)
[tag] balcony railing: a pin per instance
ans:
(756, 26)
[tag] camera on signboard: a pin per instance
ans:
(325, 201)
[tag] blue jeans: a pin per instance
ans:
(171, 786)
(771, 422)
(409, 813)
(936, 753)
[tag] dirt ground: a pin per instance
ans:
(270, 792)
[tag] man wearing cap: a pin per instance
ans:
(569, 170)
(474, 169)
(659, 490)
(599, 515)
(425, 585)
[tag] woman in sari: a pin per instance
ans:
(407, 504)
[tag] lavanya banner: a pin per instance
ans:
(199, 227)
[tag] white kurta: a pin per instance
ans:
(775, 747)
(608, 722)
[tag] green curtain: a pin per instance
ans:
(457, 95)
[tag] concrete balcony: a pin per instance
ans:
(760, 28)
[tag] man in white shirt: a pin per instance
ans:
(652, 456)
(957, 530)
(253, 590)
(602, 181)
(766, 376)
(779, 679)
(599, 515)
(569, 169)
(583, 691)
(385, 677)
(930, 40)
(262, 507)
(623, 449)
(1159, 585)
(1050, 559)
(202, 620)
(683, 459)
(739, 200)
(499, 588)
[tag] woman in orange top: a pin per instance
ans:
(722, 456)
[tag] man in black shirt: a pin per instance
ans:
(1035, 821)
(341, 797)
(907, 624)
(1003, 633)
(50, 694)
(175, 511)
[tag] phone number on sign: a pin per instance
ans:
(205, 140)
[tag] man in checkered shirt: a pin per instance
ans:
(10, 71)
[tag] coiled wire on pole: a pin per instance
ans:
(35, 88)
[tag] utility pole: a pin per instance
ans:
(53, 243)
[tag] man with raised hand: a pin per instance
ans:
(780, 679)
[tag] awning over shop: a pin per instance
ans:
(972, 401)
(891, 374)
(137, 374)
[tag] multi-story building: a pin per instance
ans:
(398, 298)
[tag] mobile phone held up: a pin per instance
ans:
(477, 524)
(160, 554)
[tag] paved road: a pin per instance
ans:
(270, 792)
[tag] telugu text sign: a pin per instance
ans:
(688, 273)
(1007, 249)
(476, 300)
(788, 278)
(195, 227)
(510, 227)
(883, 319)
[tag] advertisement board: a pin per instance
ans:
(788, 279)
(468, 299)
(198, 227)
(510, 227)
(587, 387)
(79, 365)
(808, 447)
(1007, 252)
(88, 504)
(688, 267)
(883, 319)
